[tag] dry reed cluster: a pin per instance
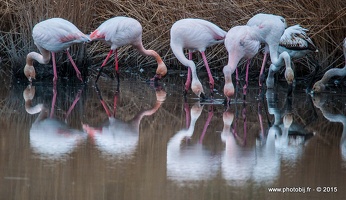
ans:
(325, 19)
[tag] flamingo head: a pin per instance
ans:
(30, 72)
(228, 90)
(318, 87)
(161, 70)
(197, 88)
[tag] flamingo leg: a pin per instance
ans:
(246, 76)
(261, 77)
(211, 79)
(116, 65)
(79, 76)
(54, 68)
(103, 64)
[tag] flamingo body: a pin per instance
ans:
(121, 31)
(270, 28)
(53, 35)
(241, 42)
(194, 35)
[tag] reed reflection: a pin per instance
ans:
(188, 161)
(116, 138)
(319, 101)
(50, 137)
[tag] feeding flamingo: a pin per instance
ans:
(53, 35)
(270, 28)
(297, 44)
(195, 35)
(319, 86)
(120, 31)
(241, 42)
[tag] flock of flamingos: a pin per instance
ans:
(281, 42)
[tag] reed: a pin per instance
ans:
(325, 20)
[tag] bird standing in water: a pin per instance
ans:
(195, 35)
(319, 86)
(241, 42)
(297, 44)
(120, 31)
(270, 28)
(53, 35)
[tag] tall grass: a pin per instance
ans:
(325, 19)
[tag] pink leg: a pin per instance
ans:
(262, 69)
(211, 79)
(103, 64)
(116, 64)
(54, 68)
(74, 66)
(246, 76)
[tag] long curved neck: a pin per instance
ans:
(333, 72)
(42, 58)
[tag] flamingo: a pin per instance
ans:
(120, 31)
(319, 86)
(241, 42)
(297, 44)
(270, 28)
(195, 35)
(53, 35)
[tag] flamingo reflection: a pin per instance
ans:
(190, 162)
(50, 137)
(319, 102)
(117, 138)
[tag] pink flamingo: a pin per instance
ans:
(270, 28)
(241, 42)
(319, 86)
(53, 35)
(195, 35)
(120, 31)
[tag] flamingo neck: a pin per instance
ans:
(333, 72)
(42, 58)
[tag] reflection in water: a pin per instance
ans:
(50, 137)
(283, 142)
(319, 101)
(190, 162)
(118, 138)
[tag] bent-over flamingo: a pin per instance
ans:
(319, 86)
(270, 29)
(241, 42)
(195, 35)
(53, 35)
(120, 31)
(297, 44)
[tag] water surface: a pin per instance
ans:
(147, 142)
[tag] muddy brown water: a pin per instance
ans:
(146, 142)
